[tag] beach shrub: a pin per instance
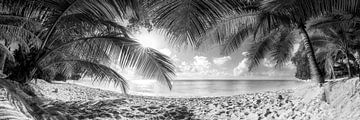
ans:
(47, 75)
(75, 77)
(60, 77)
(302, 66)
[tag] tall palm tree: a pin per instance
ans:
(341, 30)
(235, 20)
(68, 34)
(232, 21)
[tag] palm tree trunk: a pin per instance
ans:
(333, 72)
(316, 74)
(357, 59)
(348, 63)
(314, 68)
(2, 63)
(3, 60)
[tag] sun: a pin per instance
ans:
(147, 40)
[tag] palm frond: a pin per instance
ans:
(231, 32)
(95, 70)
(268, 21)
(4, 50)
(301, 10)
(322, 21)
(233, 24)
(107, 10)
(95, 47)
(321, 40)
(127, 52)
(8, 112)
(234, 42)
(17, 98)
(147, 61)
(186, 20)
(19, 35)
(258, 49)
(282, 49)
(154, 65)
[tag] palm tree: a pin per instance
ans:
(232, 21)
(338, 32)
(69, 34)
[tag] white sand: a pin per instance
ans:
(89, 103)
(302, 103)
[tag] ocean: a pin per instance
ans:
(197, 88)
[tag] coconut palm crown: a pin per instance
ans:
(72, 35)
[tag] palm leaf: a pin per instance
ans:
(282, 49)
(18, 34)
(231, 32)
(107, 10)
(127, 52)
(17, 98)
(7, 112)
(321, 40)
(258, 49)
(98, 72)
(186, 20)
(4, 50)
(304, 9)
(234, 43)
(233, 24)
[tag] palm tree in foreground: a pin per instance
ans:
(64, 35)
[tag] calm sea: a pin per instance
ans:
(198, 88)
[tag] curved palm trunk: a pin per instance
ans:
(314, 68)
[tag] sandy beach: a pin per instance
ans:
(90, 103)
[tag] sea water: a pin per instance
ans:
(197, 88)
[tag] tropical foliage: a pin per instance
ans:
(266, 23)
(302, 65)
(49, 37)
(335, 38)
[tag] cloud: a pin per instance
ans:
(268, 63)
(184, 66)
(290, 65)
(221, 60)
(241, 68)
(165, 51)
(269, 73)
(245, 54)
(175, 58)
(201, 63)
(200, 67)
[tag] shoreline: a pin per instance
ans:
(181, 94)
(81, 86)
(93, 103)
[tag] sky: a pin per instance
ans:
(207, 63)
